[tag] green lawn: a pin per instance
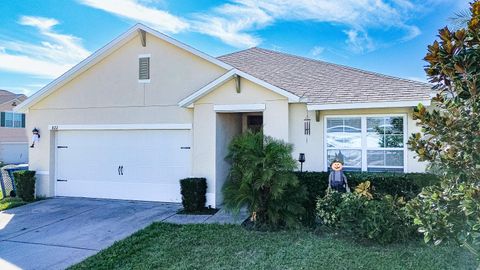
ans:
(7, 203)
(168, 246)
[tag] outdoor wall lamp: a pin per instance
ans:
(301, 159)
(35, 137)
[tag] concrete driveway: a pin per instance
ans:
(59, 232)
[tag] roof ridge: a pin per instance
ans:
(334, 64)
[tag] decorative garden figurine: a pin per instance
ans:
(337, 179)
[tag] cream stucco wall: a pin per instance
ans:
(228, 126)
(313, 145)
(205, 154)
(109, 93)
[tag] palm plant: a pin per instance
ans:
(261, 178)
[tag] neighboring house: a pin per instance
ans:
(146, 110)
(13, 137)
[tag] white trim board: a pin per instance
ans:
(104, 52)
(121, 127)
(239, 108)
(369, 105)
(188, 101)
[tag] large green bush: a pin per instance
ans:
(261, 178)
(193, 192)
(383, 220)
(449, 137)
(406, 185)
(25, 185)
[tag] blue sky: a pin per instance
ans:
(39, 40)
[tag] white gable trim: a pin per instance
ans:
(188, 101)
(260, 107)
(104, 52)
(206, 89)
(369, 105)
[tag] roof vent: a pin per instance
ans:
(144, 68)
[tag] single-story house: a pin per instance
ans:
(147, 110)
(13, 137)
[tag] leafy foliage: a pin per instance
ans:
(262, 179)
(407, 185)
(327, 208)
(25, 185)
(383, 220)
(450, 137)
(363, 189)
(193, 192)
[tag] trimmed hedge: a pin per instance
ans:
(407, 185)
(193, 192)
(25, 185)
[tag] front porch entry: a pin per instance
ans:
(229, 125)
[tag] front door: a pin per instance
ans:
(255, 122)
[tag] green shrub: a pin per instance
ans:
(327, 207)
(261, 178)
(193, 192)
(384, 220)
(25, 184)
(406, 185)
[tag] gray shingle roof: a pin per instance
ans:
(322, 82)
(6, 96)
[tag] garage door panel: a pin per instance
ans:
(125, 191)
(153, 162)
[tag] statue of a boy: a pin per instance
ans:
(337, 179)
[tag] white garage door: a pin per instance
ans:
(124, 164)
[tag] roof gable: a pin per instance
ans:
(188, 101)
(104, 52)
(7, 96)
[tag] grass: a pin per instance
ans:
(209, 246)
(8, 202)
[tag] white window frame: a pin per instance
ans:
(149, 67)
(364, 147)
(13, 120)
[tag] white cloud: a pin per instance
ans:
(411, 32)
(234, 22)
(139, 12)
(231, 23)
(359, 42)
(317, 50)
(50, 58)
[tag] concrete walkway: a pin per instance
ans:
(59, 232)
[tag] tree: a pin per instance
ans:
(450, 138)
(261, 178)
